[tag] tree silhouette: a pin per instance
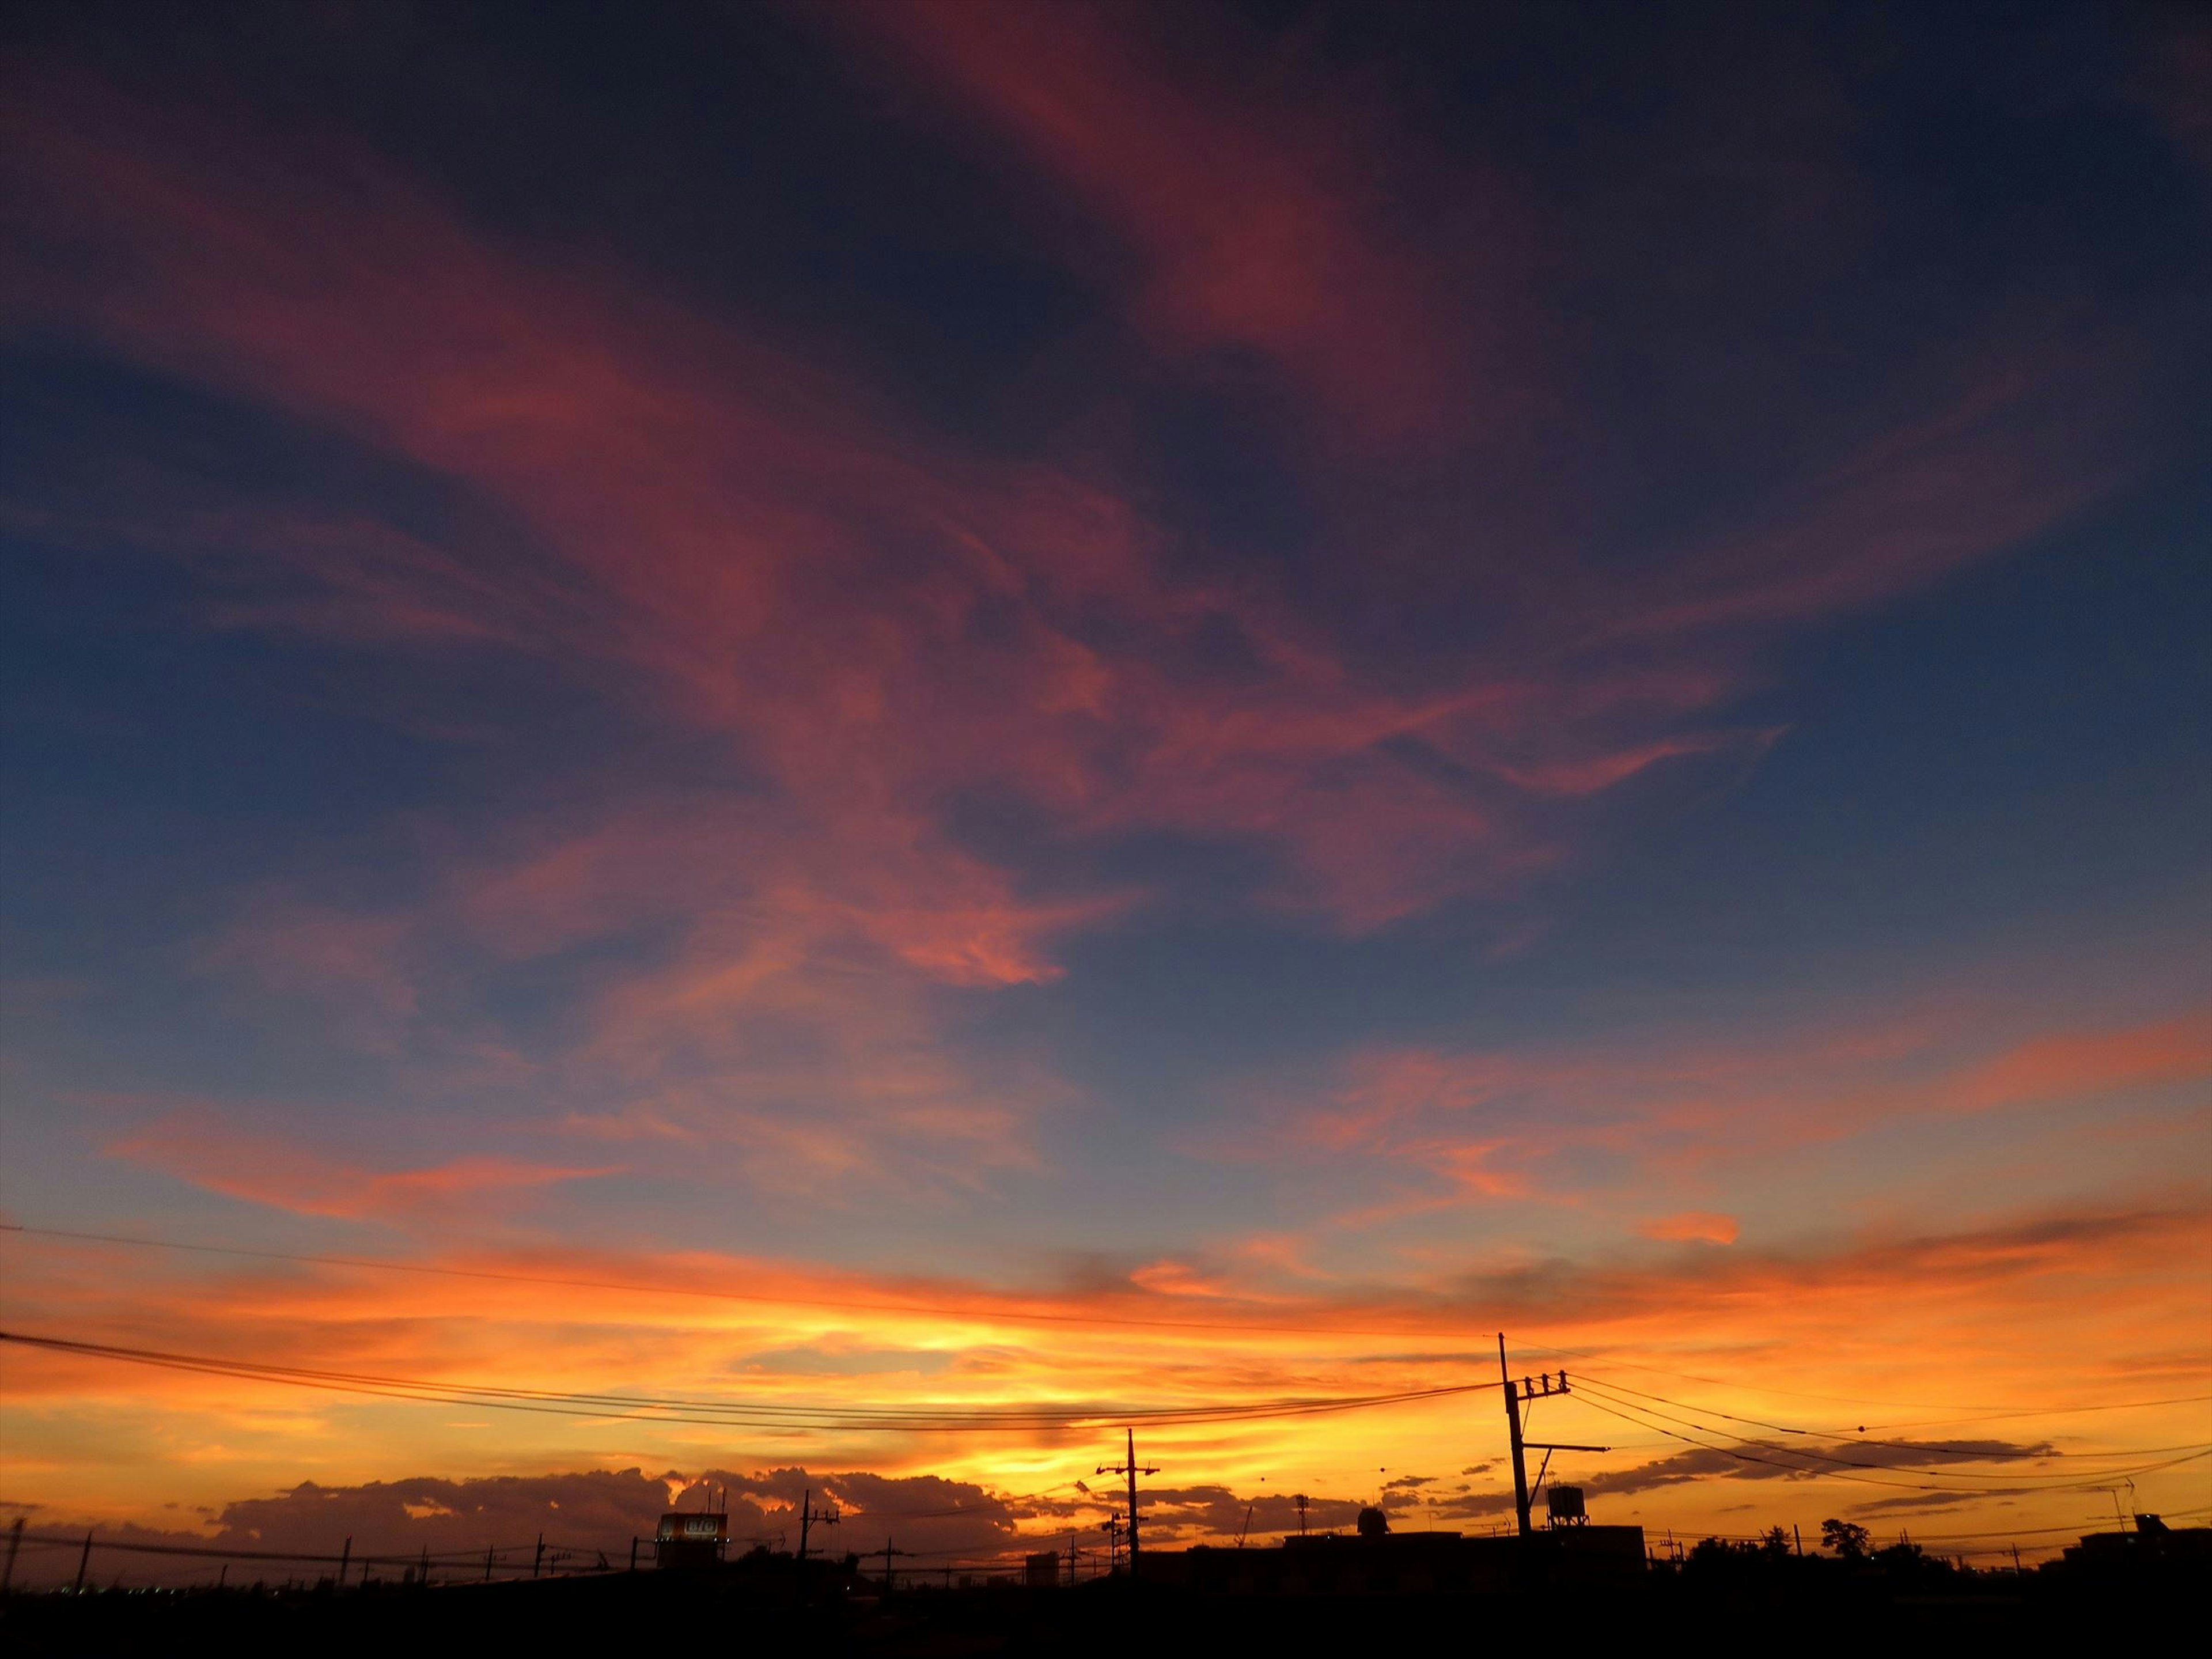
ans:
(1849, 1539)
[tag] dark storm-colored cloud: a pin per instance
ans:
(581, 1516)
(1769, 1460)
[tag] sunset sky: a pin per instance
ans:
(922, 706)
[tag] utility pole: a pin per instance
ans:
(1516, 1397)
(1070, 1558)
(1513, 1437)
(345, 1560)
(1301, 1501)
(15, 1543)
(809, 1517)
(1130, 1468)
(538, 1560)
(1113, 1531)
(82, 1562)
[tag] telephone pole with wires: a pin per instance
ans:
(1516, 1397)
(888, 1552)
(810, 1517)
(1129, 1468)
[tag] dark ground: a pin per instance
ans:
(651, 1614)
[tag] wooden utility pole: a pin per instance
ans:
(345, 1560)
(1130, 1468)
(82, 1562)
(1513, 1439)
(15, 1543)
(1516, 1397)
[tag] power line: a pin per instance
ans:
(1603, 1390)
(2029, 1481)
(413, 1558)
(1993, 1413)
(1029, 1419)
(1862, 1439)
(1025, 1315)
(1644, 1414)
(1721, 1382)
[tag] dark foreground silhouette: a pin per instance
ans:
(1340, 1596)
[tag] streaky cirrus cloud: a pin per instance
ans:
(1253, 207)
(793, 568)
(267, 1170)
(1514, 1115)
(1692, 1226)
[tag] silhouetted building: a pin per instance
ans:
(693, 1538)
(2151, 1542)
(1042, 1570)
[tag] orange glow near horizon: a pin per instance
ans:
(1956, 1334)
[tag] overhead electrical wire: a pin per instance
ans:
(1030, 1315)
(1985, 1413)
(1723, 1382)
(1627, 1412)
(756, 1414)
(2029, 1480)
(471, 1557)
(1861, 1438)
(794, 1417)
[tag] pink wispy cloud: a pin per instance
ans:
(877, 620)
(285, 1175)
(1252, 203)
(789, 565)
(1486, 1126)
